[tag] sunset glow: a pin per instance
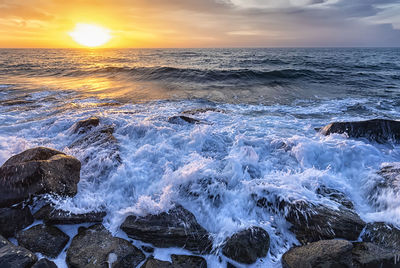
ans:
(90, 35)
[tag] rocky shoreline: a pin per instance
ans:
(328, 237)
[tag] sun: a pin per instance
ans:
(90, 35)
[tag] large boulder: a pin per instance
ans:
(311, 222)
(50, 215)
(188, 261)
(379, 130)
(371, 255)
(96, 247)
(44, 263)
(382, 234)
(45, 239)
(14, 219)
(247, 245)
(178, 261)
(340, 253)
(324, 253)
(175, 228)
(38, 171)
(154, 263)
(12, 256)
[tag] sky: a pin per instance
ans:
(204, 23)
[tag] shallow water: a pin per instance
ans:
(263, 143)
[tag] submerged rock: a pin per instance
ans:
(203, 110)
(324, 253)
(180, 119)
(176, 228)
(96, 247)
(247, 245)
(379, 130)
(44, 263)
(382, 234)
(45, 239)
(56, 216)
(336, 196)
(14, 219)
(13, 256)
(85, 125)
(38, 171)
(187, 261)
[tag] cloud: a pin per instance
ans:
(222, 22)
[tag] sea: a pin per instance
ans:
(257, 134)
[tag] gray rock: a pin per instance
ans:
(96, 247)
(38, 171)
(247, 245)
(311, 223)
(382, 234)
(181, 119)
(188, 261)
(176, 228)
(45, 239)
(4, 242)
(15, 257)
(379, 130)
(324, 253)
(56, 216)
(14, 219)
(44, 263)
(85, 125)
(370, 255)
(154, 263)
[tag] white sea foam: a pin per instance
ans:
(214, 170)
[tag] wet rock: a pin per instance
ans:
(336, 196)
(311, 223)
(370, 255)
(186, 261)
(85, 125)
(388, 182)
(56, 216)
(38, 171)
(181, 119)
(247, 245)
(45, 239)
(13, 256)
(96, 247)
(154, 263)
(382, 234)
(230, 265)
(176, 228)
(14, 219)
(324, 253)
(44, 263)
(148, 249)
(4, 242)
(379, 130)
(99, 142)
(203, 110)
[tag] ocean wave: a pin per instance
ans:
(200, 75)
